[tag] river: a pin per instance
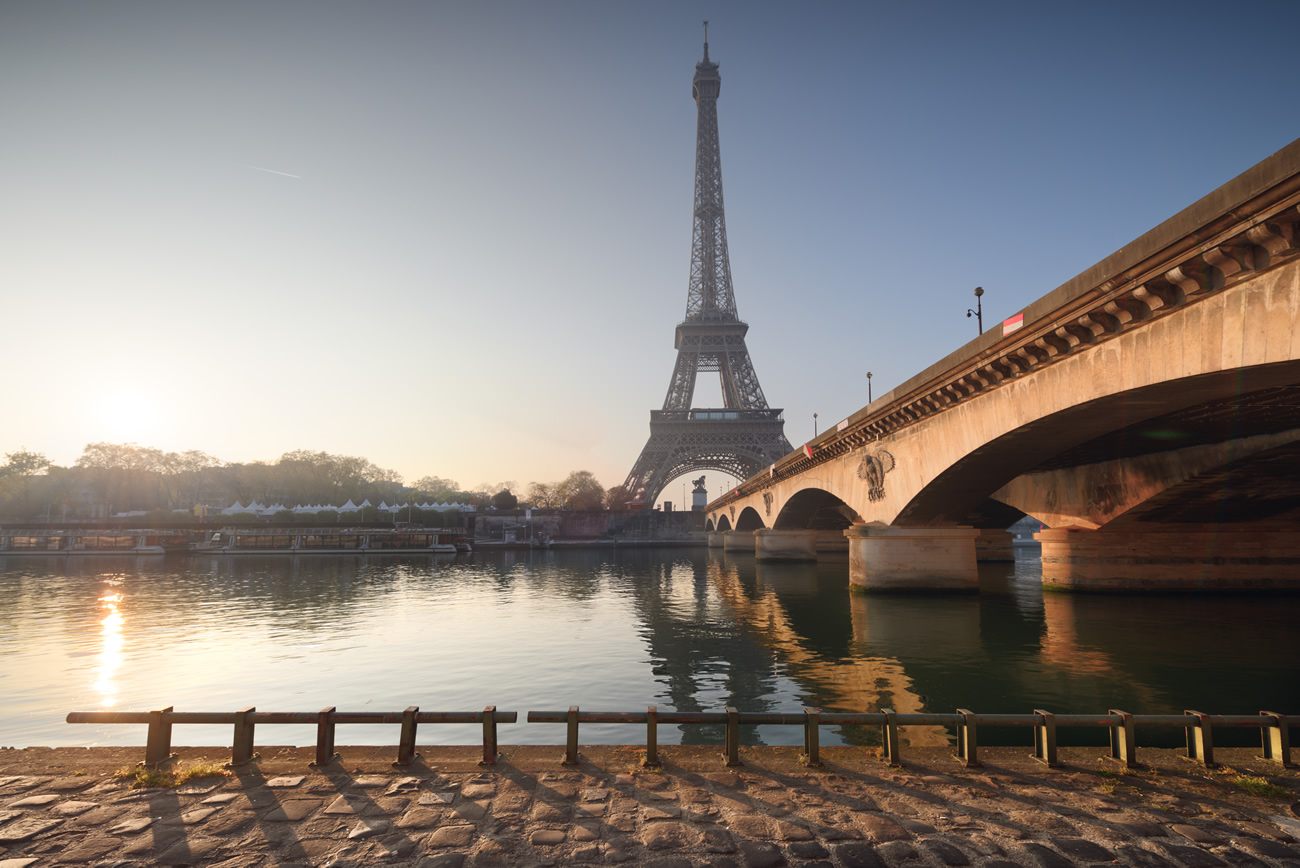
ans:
(683, 629)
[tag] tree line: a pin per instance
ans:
(125, 477)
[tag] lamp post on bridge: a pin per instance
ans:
(868, 387)
(979, 313)
(814, 425)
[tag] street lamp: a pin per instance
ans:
(979, 313)
(868, 387)
(814, 424)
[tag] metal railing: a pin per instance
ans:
(1274, 728)
(161, 721)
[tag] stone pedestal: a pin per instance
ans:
(715, 538)
(995, 545)
(884, 559)
(1195, 558)
(738, 541)
(785, 545)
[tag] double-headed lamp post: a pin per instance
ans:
(868, 387)
(979, 313)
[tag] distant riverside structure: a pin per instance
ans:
(255, 508)
(743, 435)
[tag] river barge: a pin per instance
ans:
(87, 543)
(266, 541)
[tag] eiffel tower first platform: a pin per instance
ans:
(744, 435)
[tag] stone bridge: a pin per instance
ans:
(1147, 411)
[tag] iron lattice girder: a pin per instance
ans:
(717, 346)
(737, 442)
(745, 434)
(710, 290)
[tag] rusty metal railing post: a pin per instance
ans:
(571, 739)
(1276, 738)
(489, 736)
(651, 760)
(406, 741)
(1123, 742)
(158, 747)
(731, 741)
(967, 742)
(812, 722)
(1045, 737)
(889, 735)
(1200, 739)
(325, 737)
(241, 752)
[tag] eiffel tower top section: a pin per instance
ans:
(710, 297)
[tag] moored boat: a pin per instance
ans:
(95, 542)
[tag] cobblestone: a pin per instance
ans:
(526, 811)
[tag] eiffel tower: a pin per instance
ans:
(743, 435)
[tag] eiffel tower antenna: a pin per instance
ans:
(744, 434)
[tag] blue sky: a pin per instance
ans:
(454, 237)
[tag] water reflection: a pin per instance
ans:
(609, 630)
(762, 598)
(112, 640)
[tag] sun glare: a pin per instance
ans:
(126, 415)
(110, 655)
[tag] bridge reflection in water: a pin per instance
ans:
(1013, 648)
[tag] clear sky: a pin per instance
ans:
(454, 238)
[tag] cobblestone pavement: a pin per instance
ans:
(65, 807)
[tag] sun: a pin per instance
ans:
(126, 415)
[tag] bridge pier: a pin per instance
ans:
(738, 541)
(995, 545)
(785, 545)
(886, 559)
(716, 538)
(831, 541)
(1191, 558)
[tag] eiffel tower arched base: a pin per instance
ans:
(738, 442)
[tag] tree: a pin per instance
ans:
(580, 490)
(545, 495)
(24, 463)
(503, 499)
(17, 472)
(617, 498)
(437, 489)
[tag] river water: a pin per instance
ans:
(683, 629)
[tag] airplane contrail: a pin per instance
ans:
(272, 171)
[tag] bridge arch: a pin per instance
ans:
(749, 519)
(1086, 465)
(815, 509)
(724, 523)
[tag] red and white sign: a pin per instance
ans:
(1010, 325)
(807, 450)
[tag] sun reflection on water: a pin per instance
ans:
(110, 656)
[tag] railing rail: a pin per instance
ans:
(1275, 737)
(161, 721)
